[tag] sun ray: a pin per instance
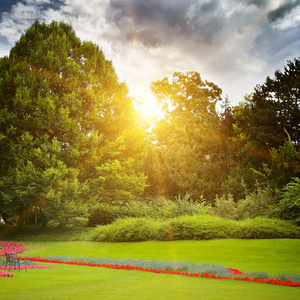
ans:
(148, 108)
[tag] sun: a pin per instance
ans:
(148, 108)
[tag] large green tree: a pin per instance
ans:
(65, 120)
(267, 133)
(188, 155)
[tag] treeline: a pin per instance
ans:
(243, 160)
(73, 149)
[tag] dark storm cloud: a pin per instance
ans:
(282, 10)
(166, 19)
(205, 20)
(150, 21)
(149, 38)
(258, 3)
(143, 11)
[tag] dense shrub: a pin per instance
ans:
(127, 230)
(102, 215)
(225, 207)
(290, 202)
(197, 227)
(185, 206)
(262, 228)
(259, 203)
(193, 227)
(154, 208)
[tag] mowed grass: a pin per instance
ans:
(273, 256)
(75, 282)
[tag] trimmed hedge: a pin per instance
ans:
(193, 227)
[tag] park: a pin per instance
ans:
(98, 201)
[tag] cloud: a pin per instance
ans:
(234, 43)
(283, 10)
(20, 15)
(258, 3)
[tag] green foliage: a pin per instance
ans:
(185, 206)
(262, 228)
(102, 215)
(290, 202)
(259, 203)
(198, 228)
(284, 165)
(126, 230)
(225, 207)
(71, 145)
(189, 154)
(65, 120)
(153, 208)
(193, 227)
(262, 125)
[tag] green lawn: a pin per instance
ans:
(75, 282)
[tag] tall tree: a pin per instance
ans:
(263, 124)
(188, 139)
(64, 118)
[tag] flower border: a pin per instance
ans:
(240, 275)
(234, 274)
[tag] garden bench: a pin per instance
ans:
(13, 260)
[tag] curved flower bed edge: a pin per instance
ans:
(154, 267)
(237, 275)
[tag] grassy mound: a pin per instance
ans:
(193, 227)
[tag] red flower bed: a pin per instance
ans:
(11, 247)
(206, 275)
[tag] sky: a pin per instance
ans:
(235, 44)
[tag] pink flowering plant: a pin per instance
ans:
(11, 247)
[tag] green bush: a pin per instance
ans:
(200, 228)
(259, 203)
(185, 206)
(102, 215)
(127, 230)
(262, 228)
(154, 208)
(225, 207)
(290, 202)
(193, 227)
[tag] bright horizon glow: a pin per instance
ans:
(148, 108)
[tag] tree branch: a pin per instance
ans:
(290, 140)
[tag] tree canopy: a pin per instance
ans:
(65, 119)
(266, 129)
(188, 138)
(72, 142)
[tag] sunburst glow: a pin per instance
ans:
(148, 108)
